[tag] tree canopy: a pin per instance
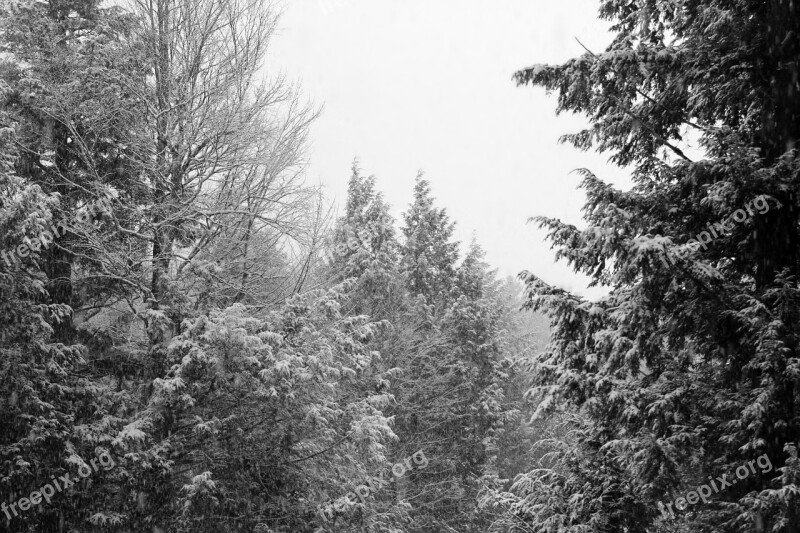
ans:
(686, 370)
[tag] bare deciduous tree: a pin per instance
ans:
(223, 157)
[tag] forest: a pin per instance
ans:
(192, 339)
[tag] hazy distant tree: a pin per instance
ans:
(429, 254)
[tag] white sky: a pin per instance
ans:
(426, 84)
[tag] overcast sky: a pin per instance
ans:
(426, 85)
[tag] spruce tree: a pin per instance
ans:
(429, 254)
(687, 369)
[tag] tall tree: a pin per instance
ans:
(66, 64)
(221, 143)
(449, 398)
(50, 403)
(161, 121)
(364, 238)
(473, 333)
(429, 254)
(687, 368)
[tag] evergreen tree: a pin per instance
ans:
(364, 238)
(686, 370)
(50, 403)
(270, 418)
(475, 339)
(165, 323)
(66, 66)
(440, 357)
(429, 255)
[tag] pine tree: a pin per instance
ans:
(687, 368)
(475, 339)
(364, 237)
(66, 68)
(449, 396)
(50, 403)
(268, 418)
(429, 255)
